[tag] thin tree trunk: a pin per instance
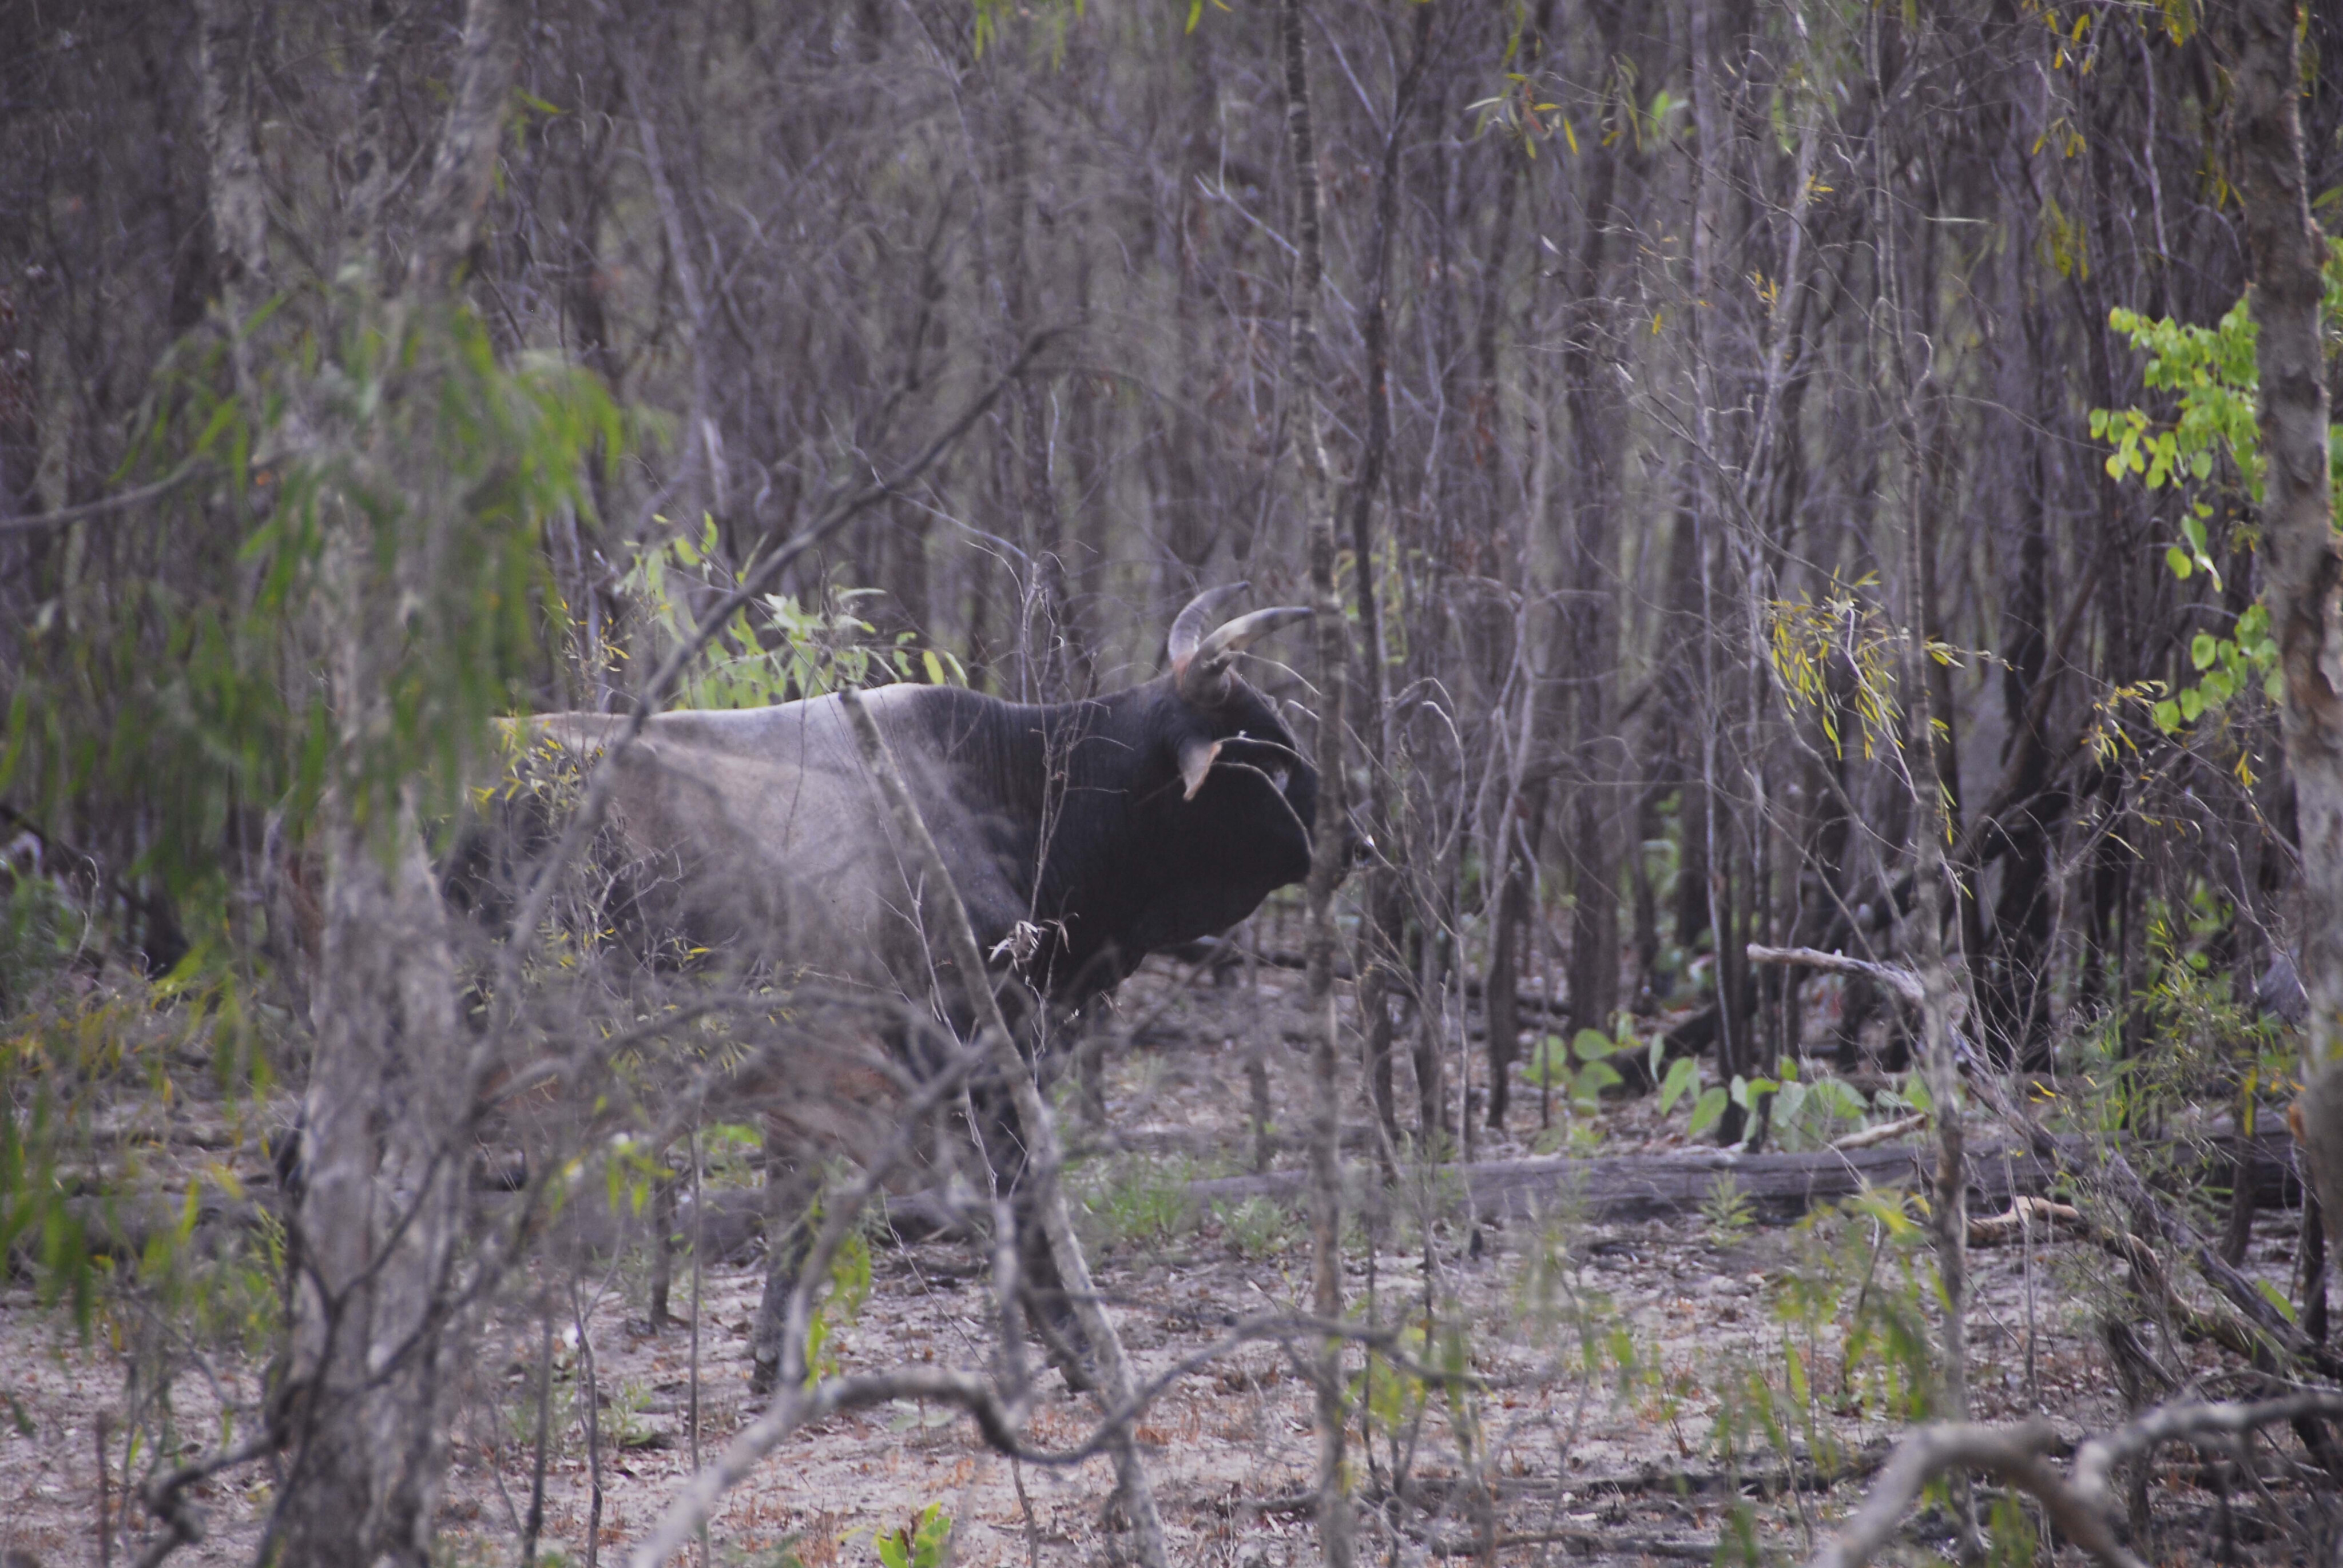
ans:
(1379, 933)
(1948, 1189)
(1502, 991)
(1736, 1050)
(2303, 566)
(1330, 841)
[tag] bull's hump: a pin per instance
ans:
(774, 732)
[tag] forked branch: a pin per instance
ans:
(2077, 1501)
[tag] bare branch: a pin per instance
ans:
(2078, 1501)
(1901, 981)
(2013, 1454)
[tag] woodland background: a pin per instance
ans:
(1673, 363)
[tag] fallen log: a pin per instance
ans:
(1779, 1188)
(1624, 1188)
(1637, 1187)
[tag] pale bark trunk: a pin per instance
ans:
(382, 1207)
(380, 1212)
(239, 200)
(1329, 846)
(2302, 567)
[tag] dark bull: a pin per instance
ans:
(1081, 837)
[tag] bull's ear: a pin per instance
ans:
(1196, 755)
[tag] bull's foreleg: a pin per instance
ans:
(1041, 1286)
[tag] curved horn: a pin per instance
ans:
(1203, 676)
(1188, 626)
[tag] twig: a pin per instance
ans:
(105, 1501)
(591, 1382)
(1884, 1132)
(34, 522)
(2095, 1458)
(536, 1523)
(698, 1261)
(165, 1496)
(2169, 1225)
(1601, 1542)
(1993, 1229)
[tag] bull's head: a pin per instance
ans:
(1236, 726)
(1263, 794)
(1240, 729)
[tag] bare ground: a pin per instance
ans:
(1628, 1373)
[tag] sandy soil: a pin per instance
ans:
(1626, 1373)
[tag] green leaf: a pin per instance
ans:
(1708, 1109)
(2202, 650)
(1592, 1045)
(1548, 1061)
(2178, 560)
(1684, 1075)
(2276, 1298)
(1839, 1098)
(1596, 1077)
(2166, 714)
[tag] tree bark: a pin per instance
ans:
(381, 1206)
(2302, 566)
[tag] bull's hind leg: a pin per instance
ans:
(790, 1184)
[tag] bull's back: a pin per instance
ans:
(761, 833)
